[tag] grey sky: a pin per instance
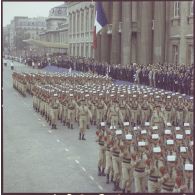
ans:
(30, 9)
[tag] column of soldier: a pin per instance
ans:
(144, 134)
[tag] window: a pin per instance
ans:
(175, 54)
(191, 8)
(176, 9)
(190, 56)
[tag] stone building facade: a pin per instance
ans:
(146, 32)
(81, 24)
(57, 29)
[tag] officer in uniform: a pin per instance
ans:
(134, 111)
(101, 106)
(154, 173)
(145, 111)
(54, 110)
(101, 134)
(168, 179)
(115, 149)
(127, 172)
(180, 112)
(71, 111)
(83, 112)
(168, 110)
(139, 164)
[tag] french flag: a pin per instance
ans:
(100, 22)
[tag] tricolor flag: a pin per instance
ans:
(100, 22)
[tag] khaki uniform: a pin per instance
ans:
(114, 114)
(168, 181)
(145, 113)
(139, 173)
(134, 113)
(116, 163)
(158, 120)
(71, 113)
(154, 175)
(100, 112)
(102, 155)
(54, 113)
(127, 170)
(83, 112)
(180, 115)
(168, 113)
(189, 116)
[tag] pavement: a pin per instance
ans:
(37, 159)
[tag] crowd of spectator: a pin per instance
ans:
(171, 77)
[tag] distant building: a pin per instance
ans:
(81, 23)
(57, 30)
(24, 28)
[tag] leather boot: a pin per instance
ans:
(115, 188)
(103, 174)
(52, 126)
(79, 136)
(87, 126)
(99, 171)
(64, 123)
(55, 127)
(83, 137)
(71, 126)
(107, 178)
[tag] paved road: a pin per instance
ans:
(38, 159)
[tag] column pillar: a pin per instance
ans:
(145, 34)
(104, 36)
(115, 50)
(159, 32)
(126, 33)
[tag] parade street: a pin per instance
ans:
(38, 159)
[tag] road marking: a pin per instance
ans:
(91, 178)
(83, 169)
(39, 119)
(100, 187)
(66, 149)
(49, 131)
(77, 161)
(43, 125)
(58, 140)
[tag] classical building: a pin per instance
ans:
(55, 38)
(143, 32)
(81, 23)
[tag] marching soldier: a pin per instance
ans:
(71, 112)
(115, 149)
(54, 110)
(127, 169)
(83, 112)
(101, 134)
